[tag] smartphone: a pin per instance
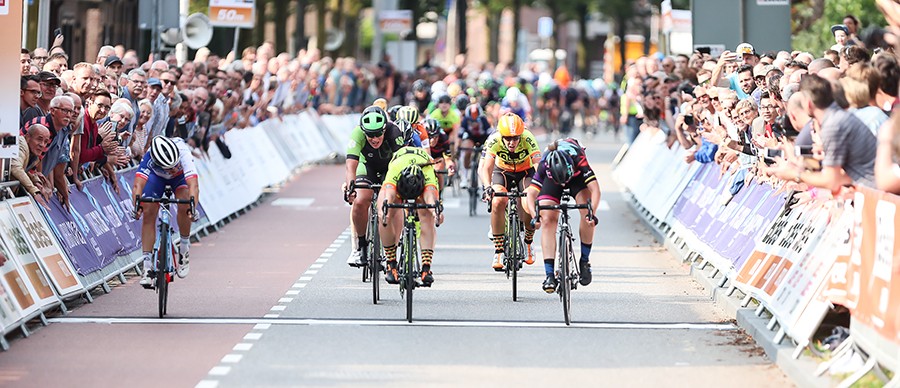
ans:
(689, 119)
(803, 151)
(774, 153)
(57, 32)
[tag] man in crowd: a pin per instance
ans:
(23, 168)
(29, 94)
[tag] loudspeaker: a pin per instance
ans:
(197, 31)
(334, 39)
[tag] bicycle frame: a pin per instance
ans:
(409, 266)
(514, 246)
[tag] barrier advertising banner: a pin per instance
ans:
(23, 256)
(47, 249)
(77, 239)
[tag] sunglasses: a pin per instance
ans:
(372, 135)
(511, 138)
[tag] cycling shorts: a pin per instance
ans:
(510, 179)
(552, 191)
(156, 185)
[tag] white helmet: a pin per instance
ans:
(438, 87)
(512, 94)
(164, 152)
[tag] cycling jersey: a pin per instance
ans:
(185, 167)
(524, 157)
(583, 174)
(419, 129)
(477, 129)
(449, 121)
(373, 162)
(408, 156)
(440, 146)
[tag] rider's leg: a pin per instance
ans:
(390, 232)
(360, 214)
(549, 221)
(426, 240)
(148, 230)
(184, 220)
(526, 219)
(498, 221)
(586, 232)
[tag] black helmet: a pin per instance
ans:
(462, 101)
(392, 112)
(420, 86)
(559, 166)
(411, 182)
(373, 120)
(407, 131)
(444, 99)
(432, 126)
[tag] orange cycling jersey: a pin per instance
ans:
(526, 155)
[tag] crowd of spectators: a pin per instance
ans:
(88, 118)
(809, 123)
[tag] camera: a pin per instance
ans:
(689, 119)
(9, 140)
(784, 126)
(803, 151)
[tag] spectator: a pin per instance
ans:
(889, 73)
(25, 62)
(887, 171)
(39, 57)
(29, 94)
(114, 65)
(848, 145)
(23, 168)
(134, 91)
(841, 33)
(104, 53)
(139, 132)
(860, 87)
(57, 64)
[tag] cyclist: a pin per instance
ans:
(440, 149)
(474, 131)
(411, 115)
(167, 163)
(410, 176)
(392, 113)
(510, 157)
(420, 97)
(372, 144)
(517, 103)
(448, 118)
(564, 166)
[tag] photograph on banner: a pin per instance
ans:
(765, 253)
(798, 243)
(76, 238)
(12, 278)
(46, 246)
(25, 258)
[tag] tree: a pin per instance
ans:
(812, 19)
(621, 13)
(280, 15)
(493, 10)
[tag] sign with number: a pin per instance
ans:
(395, 21)
(232, 13)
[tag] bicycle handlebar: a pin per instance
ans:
(406, 205)
(165, 200)
(507, 194)
(352, 187)
(564, 206)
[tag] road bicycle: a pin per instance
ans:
(567, 271)
(373, 253)
(513, 246)
(164, 250)
(473, 177)
(409, 268)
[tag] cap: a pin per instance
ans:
(700, 91)
(48, 76)
(840, 27)
(745, 48)
(713, 92)
(112, 59)
(154, 82)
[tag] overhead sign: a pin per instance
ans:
(545, 27)
(232, 13)
(395, 21)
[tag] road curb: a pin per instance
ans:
(801, 371)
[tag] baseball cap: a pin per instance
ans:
(154, 82)
(745, 48)
(840, 27)
(48, 76)
(700, 91)
(112, 59)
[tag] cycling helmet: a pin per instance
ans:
(392, 113)
(510, 124)
(420, 86)
(433, 127)
(164, 152)
(513, 93)
(411, 182)
(373, 120)
(454, 89)
(474, 112)
(559, 166)
(439, 87)
(444, 99)
(381, 103)
(407, 131)
(408, 114)
(462, 101)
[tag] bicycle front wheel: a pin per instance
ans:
(162, 283)
(374, 262)
(409, 273)
(565, 284)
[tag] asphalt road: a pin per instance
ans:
(271, 302)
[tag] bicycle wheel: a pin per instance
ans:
(473, 190)
(374, 262)
(162, 283)
(565, 285)
(409, 255)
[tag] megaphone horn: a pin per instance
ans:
(197, 31)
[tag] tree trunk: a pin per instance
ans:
(517, 25)
(413, 5)
(259, 30)
(351, 37)
(300, 29)
(554, 39)
(280, 16)
(583, 58)
(493, 24)
(461, 7)
(320, 26)
(620, 31)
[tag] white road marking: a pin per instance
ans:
(323, 260)
(311, 272)
(242, 347)
(252, 336)
(285, 300)
(271, 316)
(304, 279)
(452, 203)
(434, 323)
(207, 384)
(262, 326)
(220, 370)
(293, 202)
(292, 292)
(330, 250)
(232, 358)
(278, 308)
(335, 245)
(326, 255)
(316, 266)
(299, 285)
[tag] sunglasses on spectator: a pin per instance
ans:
(167, 81)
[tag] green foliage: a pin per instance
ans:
(201, 6)
(818, 38)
